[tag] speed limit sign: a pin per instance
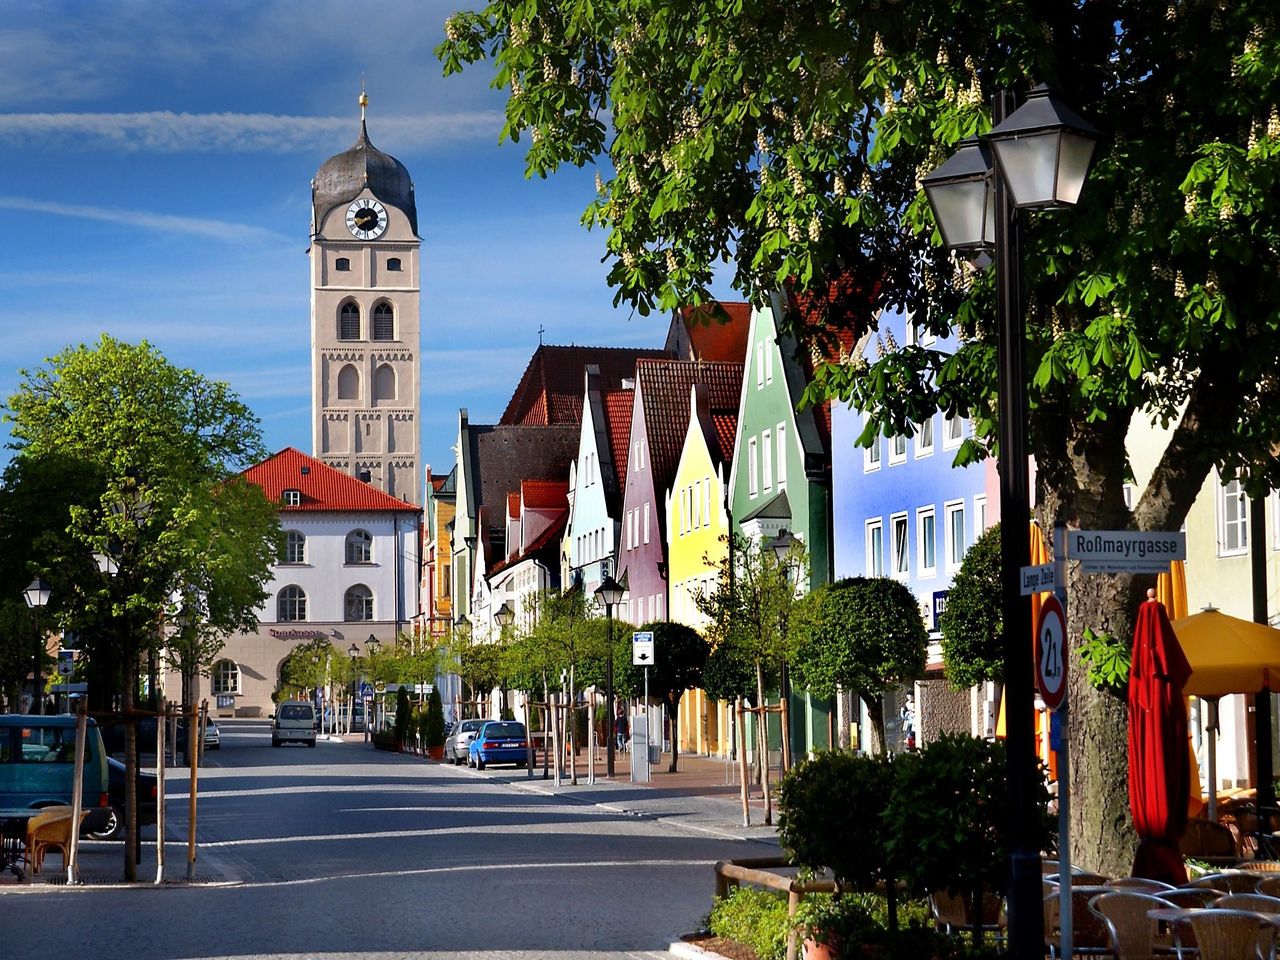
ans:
(1051, 653)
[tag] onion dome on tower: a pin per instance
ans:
(341, 178)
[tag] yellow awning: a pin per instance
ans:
(1227, 654)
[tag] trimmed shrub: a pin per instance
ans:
(757, 918)
(432, 728)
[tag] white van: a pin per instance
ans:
(294, 720)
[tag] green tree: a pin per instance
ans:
(433, 722)
(972, 633)
(864, 634)
(680, 654)
(165, 444)
(311, 666)
(792, 139)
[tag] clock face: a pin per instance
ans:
(366, 219)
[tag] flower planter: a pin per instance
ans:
(435, 753)
(819, 951)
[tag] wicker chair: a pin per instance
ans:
(1260, 866)
(1238, 881)
(952, 914)
(50, 828)
(1211, 842)
(1132, 933)
(1140, 885)
(1192, 896)
(1232, 935)
(1269, 885)
(1089, 934)
(1258, 902)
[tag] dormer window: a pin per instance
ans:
(292, 498)
(342, 264)
(393, 263)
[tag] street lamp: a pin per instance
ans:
(353, 652)
(1042, 153)
(783, 545)
(372, 646)
(504, 615)
(37, 596)
(609, 593)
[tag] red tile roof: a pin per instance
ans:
(513, 504)
(726, 427)
(321, 486)
(550, 391)
(552, 533)
(617, 413)
(718, 331)
(664, 389)
(545, 494)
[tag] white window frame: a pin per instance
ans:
(706, 502)
(949, 424)
(874, 551)
(781, 435)
(753, 459)
(951, 556)
(979, 515)
(924, 449)
(292, 498)
(873, 456)
(897, 456)
(222, 670)
(766, 461)
(1233, 521)
(768, 364)
(646, 521)
(899, 561)
(760, 365)
(294, 538)
(927, 542)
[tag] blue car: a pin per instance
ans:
(498, 741)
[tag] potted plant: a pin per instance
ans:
(829, 926)
(433, 727)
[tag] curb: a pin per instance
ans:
(689, 951)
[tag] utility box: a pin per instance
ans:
(640, 751)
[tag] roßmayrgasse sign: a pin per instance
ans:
(1125, 551)
(296, 634)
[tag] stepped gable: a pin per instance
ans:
(322, 487)
(550, 390)
(664, 388)
(717, 331)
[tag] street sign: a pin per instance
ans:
(1051, 653)
(366, 691)
(642, 648)
(1037, 579)
(1125, 551)
(66, 663)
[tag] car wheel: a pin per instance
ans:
(275, 742)
(311, 743)
(479, 764)
(214, 746)
(111, 829)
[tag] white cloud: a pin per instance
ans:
(159, 222)
(163, 131)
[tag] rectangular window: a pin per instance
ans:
(979, 516)
(759, 365)
(952, 432)
(646, 521)
(753, 488)
(956, 542)
(897, 450)
(871, 454)
(875, 548)
(782, 456)
(695, 495)
(768, 364)
(924, 439)
(706, 502)
(766, 461)
(660, 603)
(899, 546)
(1233, 519)
(927, 541)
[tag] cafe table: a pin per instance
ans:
(13, 837)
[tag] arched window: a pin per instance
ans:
(384, 322)
(349, 383)
(226, 677)
(342, 264)
(359, 547)
(349, 322)
(358, 603)
(295, 547)
(291, 604)
(393, 263)
(385, 383)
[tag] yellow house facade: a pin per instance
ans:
(698, 526)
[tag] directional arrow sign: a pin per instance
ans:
(642, 648)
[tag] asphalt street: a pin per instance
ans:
(344, 851)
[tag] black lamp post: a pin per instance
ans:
(782, 546)
(353, 652)
(371, 646)
(1042, 153)
(609, 593)
(37, 596)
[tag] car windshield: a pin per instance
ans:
(295, 711)
(470, 726)
(504, 730)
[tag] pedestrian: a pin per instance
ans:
(908, 717)
(621, 728)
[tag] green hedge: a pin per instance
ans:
(757, 918)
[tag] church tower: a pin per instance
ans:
(365, 328)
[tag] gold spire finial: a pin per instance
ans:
(364, 98)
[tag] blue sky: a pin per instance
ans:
(155, 168)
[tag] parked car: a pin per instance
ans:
(113, 828)
(294, 720)
(212, 736)
(37, 765)
(498, 741)
(459, 740)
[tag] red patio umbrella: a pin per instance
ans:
(1159, 771)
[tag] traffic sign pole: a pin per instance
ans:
(1064, 758)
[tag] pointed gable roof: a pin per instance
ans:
(550, 391)
(715, 331)
(322, 488)
(545, 494)
(664, 387)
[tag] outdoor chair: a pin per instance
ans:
(1089, 934)
(1232, 935)
(1258, 902)
(953, 914)
(1140, 885)
(1133, 935)
(50, 828)
(1260, 866)
(1211, 842)
(1236, 882)
(1192, 896)
(1269, 885)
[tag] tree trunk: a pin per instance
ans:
(875, 713)
(762, 737)
(673, 704)
(130, 770)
